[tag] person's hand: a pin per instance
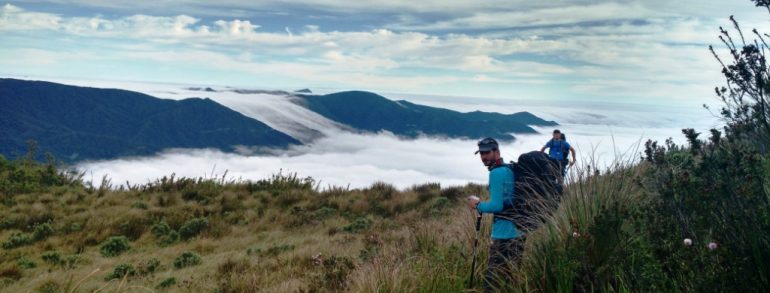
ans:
(473, 201)
(572, 162)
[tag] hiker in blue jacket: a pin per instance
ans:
(507, 242)
(558, 149)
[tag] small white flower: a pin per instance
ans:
(318, 259)
(712, 246)
(575, 234)
(687, 241)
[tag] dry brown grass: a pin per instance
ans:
(269, 239)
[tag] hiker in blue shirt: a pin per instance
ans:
(558, 149)
(507, 242)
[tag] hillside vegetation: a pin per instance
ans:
(672, 218)
(616, 230)
(80, 123)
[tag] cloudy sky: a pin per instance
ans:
(647, 51)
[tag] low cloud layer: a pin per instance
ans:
(343, 158)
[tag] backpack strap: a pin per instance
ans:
(507, 213)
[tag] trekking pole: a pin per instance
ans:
(475, 245)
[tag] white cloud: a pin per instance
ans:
(555, 15)
(358, 160)
(631, 49)
(597, 130)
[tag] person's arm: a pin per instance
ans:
(547, 145)
(496, 189)
(572, 150)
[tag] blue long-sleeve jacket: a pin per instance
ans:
(500, 186)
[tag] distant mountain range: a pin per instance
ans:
(81, 123)
(76, 123)
(371, 112)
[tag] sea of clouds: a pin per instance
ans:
(334, 156)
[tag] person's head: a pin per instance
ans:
(489, 151)
(556, 134)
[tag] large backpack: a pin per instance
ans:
(537, 191)
(564, 150)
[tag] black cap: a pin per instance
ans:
(487, 144)
(556, 131)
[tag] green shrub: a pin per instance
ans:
(186, 259)
(439, 206)
(26, 263)
(6, 223)
(323, 213)
(70, 261)
(164, 234)
(193, 227)
(42, 231)
(114, 246)
(120, 271)
(167, 283)
(160, 228)
(17, 240)
(150, 267)
(360, 224)
(52, 258)
(171, 238)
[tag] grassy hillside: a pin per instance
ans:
(693, 218)
(278, 234)
(620, 229)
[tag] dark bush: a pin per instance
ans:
(42, 231)
(360, 224)
(114, 246)
(149, 267)
(193, 227)
(17, 240)
(168, 282)
(186, 259)
(53, 258)
(26, 263)
(164, 234)
(120, 271)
